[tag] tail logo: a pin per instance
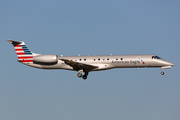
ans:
(23, 53)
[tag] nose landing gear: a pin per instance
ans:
(162, 73)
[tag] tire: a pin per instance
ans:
(79, 75)
(162, 73)
(84, 77)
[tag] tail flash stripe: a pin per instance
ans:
(23, 45)
(28, 53)
(21, 53)
(24, 53)
(25, 49)
(19, 49)
(26, 61)
(28, 57)
(22, 50)
(17, 45)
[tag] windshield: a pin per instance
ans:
(155, 57)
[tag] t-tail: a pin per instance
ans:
(32, 59)
(23, 52)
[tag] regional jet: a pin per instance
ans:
(86, 64)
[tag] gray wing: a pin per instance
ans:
(78, 65)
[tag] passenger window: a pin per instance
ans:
(94, 59)
(116, 58)
(79, 59)
(84, 59)
(107, 58)
(99, 59)
(121, 58)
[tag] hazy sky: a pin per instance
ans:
(94, 27)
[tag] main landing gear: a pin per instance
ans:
(83, 76)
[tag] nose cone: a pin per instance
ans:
(166, 63)
(169, 63)
(172, 64)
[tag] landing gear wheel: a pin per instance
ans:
(79, 75)
(84, 77)
(162, 73)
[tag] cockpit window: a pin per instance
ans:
(155, 57)
(158, 57)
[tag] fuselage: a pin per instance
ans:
(105, 62)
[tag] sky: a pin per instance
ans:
(94, 27)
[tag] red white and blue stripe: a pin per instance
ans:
(23, 53)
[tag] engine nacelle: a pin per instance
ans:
(46, 59)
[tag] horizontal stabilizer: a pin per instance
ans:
(14, 42)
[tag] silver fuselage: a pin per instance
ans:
(105, 62)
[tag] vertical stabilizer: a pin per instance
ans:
(23, 52)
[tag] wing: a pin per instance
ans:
(78, 65)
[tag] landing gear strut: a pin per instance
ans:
(83, 76)
(162, 73)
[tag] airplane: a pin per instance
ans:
(86, 64)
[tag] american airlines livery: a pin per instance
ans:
(86, 64)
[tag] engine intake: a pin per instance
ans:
(45, 59)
